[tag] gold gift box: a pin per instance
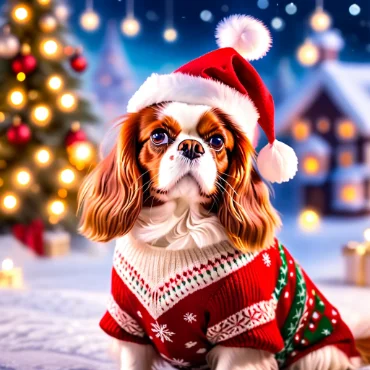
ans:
(357, 263)
(56, 243)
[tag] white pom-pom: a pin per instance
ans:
(277, 162)
(247, 35)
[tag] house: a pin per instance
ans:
(327, 121)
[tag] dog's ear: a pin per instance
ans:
(111, 196)
(245, 210)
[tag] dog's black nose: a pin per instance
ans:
(191, 149)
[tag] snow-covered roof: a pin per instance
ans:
(331, 40)
(355, 173)
(347, 83)
(313, 144)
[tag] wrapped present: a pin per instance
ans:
(357, 263)
(56, 243)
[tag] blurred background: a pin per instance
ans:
(67, 71)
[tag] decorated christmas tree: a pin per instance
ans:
(44, 151)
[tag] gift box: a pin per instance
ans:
(56, 243)
(357, 263)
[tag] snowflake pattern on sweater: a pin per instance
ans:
(186, 302)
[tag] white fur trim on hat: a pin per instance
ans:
(247, 35)
(277, 162)
(189, 89)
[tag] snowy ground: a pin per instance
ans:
(52, 324)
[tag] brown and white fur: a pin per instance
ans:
(152, 190)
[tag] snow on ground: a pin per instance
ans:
(52, 324)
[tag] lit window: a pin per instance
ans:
(346, 129)
(323, 125)
(348, 193)
(346, 158)
(311, 165)
(301, 130)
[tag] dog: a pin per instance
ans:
(199, 279)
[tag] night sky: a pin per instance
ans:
(148, 52)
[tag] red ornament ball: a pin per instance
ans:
(24, 63)
(75, 137)
(78, 63)
(19, 134)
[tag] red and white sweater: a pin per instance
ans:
(187, 301)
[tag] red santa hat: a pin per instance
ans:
(225, 79)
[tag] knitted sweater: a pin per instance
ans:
(185, 302)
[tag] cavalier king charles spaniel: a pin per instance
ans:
(182, 177)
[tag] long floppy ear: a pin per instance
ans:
(111, 197)
(246, 211)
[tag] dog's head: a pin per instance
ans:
(178, 150)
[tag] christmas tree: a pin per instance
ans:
(44, 151)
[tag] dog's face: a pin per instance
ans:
(184, 149)
(175, 150)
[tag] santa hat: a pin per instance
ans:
(225, 79)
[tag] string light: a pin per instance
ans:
(308, 54)
(10, 202)
(23, 177)
(55, 82)
(81, 154)
(67, 102)
(56, 207)
(2, 117)
(43, 157)
(62, 12)
(44, 2)
(41, 115)
(367, 235)
(130, 26)
(309, 219)
(67, 176)
(50, 48)
(89, 19)
(17, 98)
(21, 13)
(62, 193)
(170, 33)
(320, 20)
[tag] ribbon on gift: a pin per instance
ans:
(31, 235)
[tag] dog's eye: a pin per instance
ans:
(159, 137)
(216, 142)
